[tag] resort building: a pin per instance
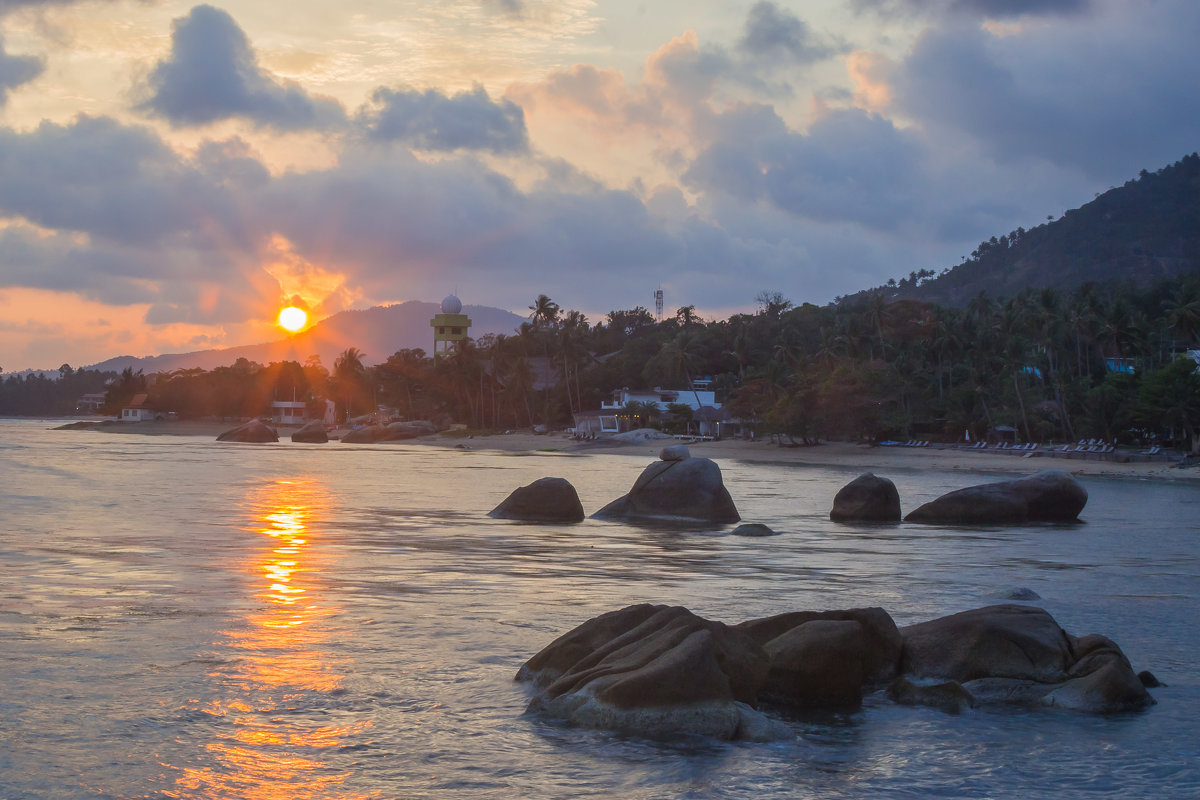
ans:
(707, 415)
(289, 412)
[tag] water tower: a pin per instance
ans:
(449, 327)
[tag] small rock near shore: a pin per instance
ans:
(867, 498)
(255, 431)
(545, 500)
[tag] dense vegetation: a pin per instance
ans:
(1106, 361)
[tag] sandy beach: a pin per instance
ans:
(840, 454)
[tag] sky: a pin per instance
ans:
(172, 173)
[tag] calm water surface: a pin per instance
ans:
(184, 618)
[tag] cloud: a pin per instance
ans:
(431, 120)
(980, 9)
(16, 71)
(212, 74)
(1105, 94)
(772, 32)
(121, 183)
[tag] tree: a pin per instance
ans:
(1170, 397)
(349, 378)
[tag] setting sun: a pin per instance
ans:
(292, 318)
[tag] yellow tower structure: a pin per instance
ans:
(449, 327)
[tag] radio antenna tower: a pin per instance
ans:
(658, 304)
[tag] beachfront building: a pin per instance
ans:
(137, 410)
(449, 327)
(90, 403)
(707, 414)
(289, 412)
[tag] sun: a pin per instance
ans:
(292, 319)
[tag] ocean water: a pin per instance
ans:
(185, 618)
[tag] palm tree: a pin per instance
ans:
(349, 373)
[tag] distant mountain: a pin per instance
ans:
(377, 332)
(1140, 232)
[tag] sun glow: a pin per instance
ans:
(292, 319)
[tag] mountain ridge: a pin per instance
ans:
(378, 332)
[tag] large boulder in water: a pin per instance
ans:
(867, 498)
(690, 489)
(653, 671)
(545, 500)
(1019, 654)
(253, 431)
(1048, 496)
(313, 432)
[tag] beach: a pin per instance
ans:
(826, 454)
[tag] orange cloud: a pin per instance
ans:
(870, 71)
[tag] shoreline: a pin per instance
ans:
(827, 454)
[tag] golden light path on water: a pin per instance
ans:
(260, 751)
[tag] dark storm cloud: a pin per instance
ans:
(987, 9)
(16, 71)
(108, 180)
(1109, 101)
(772, 32)
(431, 120)
(212, 74)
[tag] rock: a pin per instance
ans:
(368, 434)
(1148, 680)
(1006, 641)
(411, 429)
(1020, 593)
(689, 490)
(817, 665)
(867, 498)
(1019, 654)
(1048, 496)
(653, 671)
(638, 435)
(312, 433)
(675, 452)
(253, 431)
(753, 529)
(544, 500)
(950, 696)
(880, 660)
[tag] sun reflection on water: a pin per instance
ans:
(264, 746)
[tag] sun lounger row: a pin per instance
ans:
(1020, 448)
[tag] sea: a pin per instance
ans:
(182, 618)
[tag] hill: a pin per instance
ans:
(377, 332)
(1140, 232)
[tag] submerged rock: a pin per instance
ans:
(877, 658)
(410, 429)
(253, 431)
(368, 434)
(949, 696)
(753, 529)
(544, 500)
(1047, 496)
(312, 433)
(690, 489)
(867, 498)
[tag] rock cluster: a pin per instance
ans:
(545, 500)
(253, 431)
(662, 671)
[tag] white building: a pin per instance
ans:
(289, 412)
(137, 411)
(693, 398)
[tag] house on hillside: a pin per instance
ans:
(137, 410)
